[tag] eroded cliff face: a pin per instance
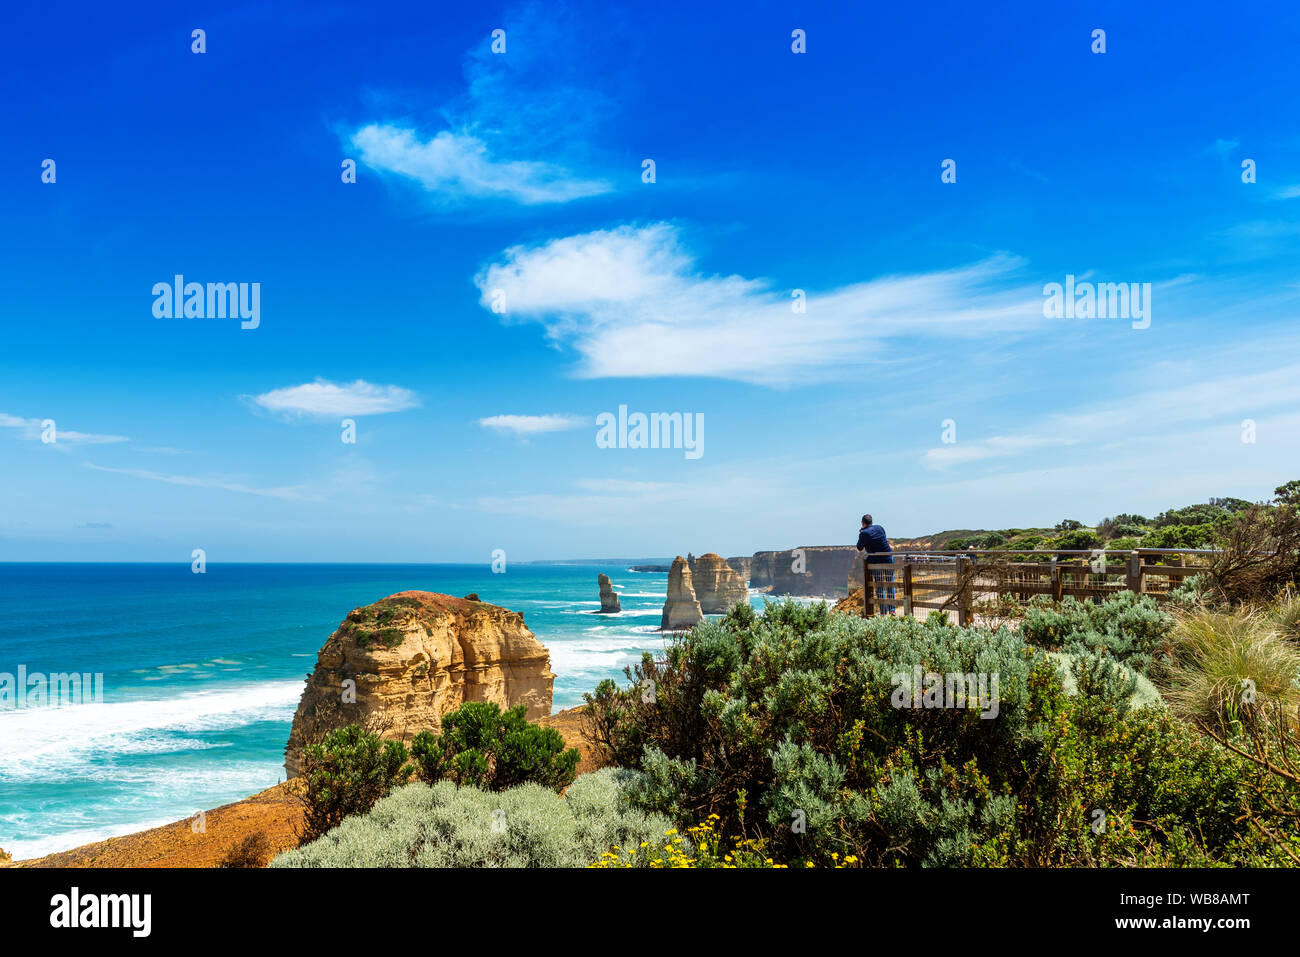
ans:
(717, 586)
(821, 571)
(742, 564)
(413, 657)
(760, 569)
(682, 608)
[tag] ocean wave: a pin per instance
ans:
(143, 798)
(34, 741)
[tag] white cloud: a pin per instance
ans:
(632, 302)
(327, 399)
(1288, 192)
(33, 428)
(532, 424)
(459, 165)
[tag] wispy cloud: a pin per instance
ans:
(518, 131)
(294, 492)
(998, 446)
(458, 165)
(632, 302)
(324, 399)
(34, 428)
(637, 501)
(532, 424)
(1219, 403)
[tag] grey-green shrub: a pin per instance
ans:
(445, 826)
(1125, 626)
(1137, 690)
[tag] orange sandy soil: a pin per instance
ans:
(275, 811)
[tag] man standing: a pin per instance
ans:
(873, 545)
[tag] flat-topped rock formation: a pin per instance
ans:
(682, 608)
(717, 586)
(608, 597)
(399, 665)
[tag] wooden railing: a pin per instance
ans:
(958, 580)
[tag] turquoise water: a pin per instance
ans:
(202, 674)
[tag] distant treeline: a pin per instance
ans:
(1192, 526)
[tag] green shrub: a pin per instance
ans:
(345, 773)
(446, 826)
(1181, 536)
(483, 746)
(1099, 676)
(1077, 539)
(1130, 628)
(785, 725)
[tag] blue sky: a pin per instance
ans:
(520, 175)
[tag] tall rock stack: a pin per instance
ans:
(608, 597)
(717, 586)
(399, 665)
(682, 609)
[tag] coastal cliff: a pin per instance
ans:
(760, 569)
(402, 663)
(717, 586)
(820, 571)
(742, 565)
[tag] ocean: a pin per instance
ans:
(202, 674)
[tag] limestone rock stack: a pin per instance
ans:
(682, 609)
(608, 597)
(717, 586)
(412, 658)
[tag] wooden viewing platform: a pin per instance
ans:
(956, 580)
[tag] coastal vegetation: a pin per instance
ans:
(483, 746)
(1117, 732)
(352, 768)
(529, 825)
(1193, 526)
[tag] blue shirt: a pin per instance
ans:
(873, 540)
